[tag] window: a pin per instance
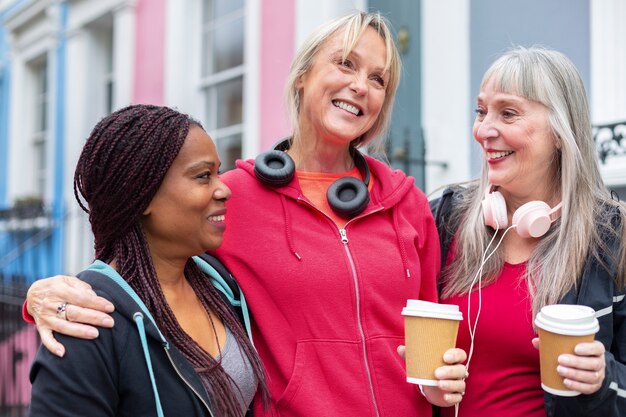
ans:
(222, 75)
(40, 125)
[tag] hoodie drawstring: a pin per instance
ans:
(292, 247)
(138, 317)
(396, 227)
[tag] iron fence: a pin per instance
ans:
(610, 140)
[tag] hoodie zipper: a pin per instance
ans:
(344, 241)
(180, 375)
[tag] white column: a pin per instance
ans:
(20, 171)
(251, 95)
(123, 54)
(608, 78)
(81, 114)
(446, 105)
(183, 54)
(608, 61)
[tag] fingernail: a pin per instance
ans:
(448, 357)
(60, 352)
(109, 308)
(567, 382)
(564, 359)
(561, 369)
(107, 322)
(93, 333)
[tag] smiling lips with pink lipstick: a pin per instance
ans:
(347, 107)
(494, 156)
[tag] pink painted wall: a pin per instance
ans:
(277, 51)
(16, 355)
(149, 52)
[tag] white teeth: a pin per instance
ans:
(496, 155)
(216, 218)
(346, 107)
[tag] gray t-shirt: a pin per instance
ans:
(237, 365)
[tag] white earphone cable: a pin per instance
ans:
(478, 277)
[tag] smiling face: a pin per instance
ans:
(517, 142)
(187, 212)
(341, 99)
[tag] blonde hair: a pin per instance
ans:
(556, 264)
(353, 25)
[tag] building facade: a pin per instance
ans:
(64, 64)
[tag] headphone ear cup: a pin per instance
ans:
(532, 219)
(348, 197)
(494, 211)
(274, 168)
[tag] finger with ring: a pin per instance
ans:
(62, 311)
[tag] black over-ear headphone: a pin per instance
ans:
(348, 196)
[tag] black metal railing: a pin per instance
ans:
(25, 248)
(610, 140)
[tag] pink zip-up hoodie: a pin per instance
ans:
(325, 301)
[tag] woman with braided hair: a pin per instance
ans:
(149, 179)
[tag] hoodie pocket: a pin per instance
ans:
(328, 379)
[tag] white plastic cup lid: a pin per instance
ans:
(421, 308)
(568, 319)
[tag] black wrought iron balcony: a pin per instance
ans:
(610, 140)
(28, 213)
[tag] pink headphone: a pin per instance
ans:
(532, 219)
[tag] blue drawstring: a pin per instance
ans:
(138, 317)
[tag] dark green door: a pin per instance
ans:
(406, 144)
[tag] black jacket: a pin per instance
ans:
(109, 376)
(596, 289)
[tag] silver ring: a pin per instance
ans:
(62, 311)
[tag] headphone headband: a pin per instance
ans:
(359, 160)
(532, 219)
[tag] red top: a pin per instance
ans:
(504, 369)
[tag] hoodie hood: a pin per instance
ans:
(128, 303)
(388, 189)
(389, 186)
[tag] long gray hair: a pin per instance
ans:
(555, 265)
(353, 25)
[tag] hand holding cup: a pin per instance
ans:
(583, 371)
(432, 361)
(571, 362)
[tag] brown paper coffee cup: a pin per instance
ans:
(429, 330)
(561, 327)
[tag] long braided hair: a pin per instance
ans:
(120, 169)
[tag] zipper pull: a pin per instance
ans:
(344, 236)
